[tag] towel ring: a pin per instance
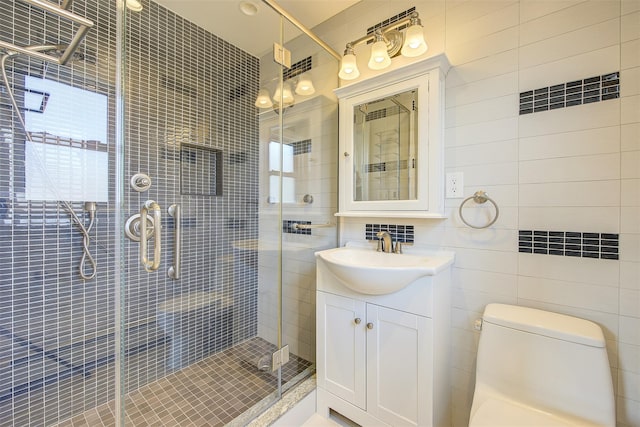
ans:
(479, 197)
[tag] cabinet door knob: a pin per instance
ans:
(357, 320)
(346, 154)
(369, 325)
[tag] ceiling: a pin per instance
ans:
(254, 34)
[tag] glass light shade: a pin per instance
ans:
(287, 95)
(263, 100)
(379, 56)
(305, 86)
(414, 44)
(349, 68)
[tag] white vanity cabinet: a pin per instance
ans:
(375, 358)
(340, 347)
(384, 359)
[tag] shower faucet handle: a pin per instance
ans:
(140, 182)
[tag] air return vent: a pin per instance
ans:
(391, 20)
(592, 89)
(298, 68)
(569, 243)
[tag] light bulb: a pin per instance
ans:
(263, 100)
(348, 67)
(414, 44)
(379, 55)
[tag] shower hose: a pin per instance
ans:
(87, 273)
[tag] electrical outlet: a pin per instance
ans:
(454, 188)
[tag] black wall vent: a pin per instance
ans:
(593, 89)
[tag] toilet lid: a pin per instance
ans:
(496, 413)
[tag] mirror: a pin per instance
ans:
(385, 133)
(391, 129)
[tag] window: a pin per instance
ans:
(68, 158)
(286, 167)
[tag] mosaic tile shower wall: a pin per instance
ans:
(185, 86)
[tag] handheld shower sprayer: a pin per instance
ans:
(90, 207)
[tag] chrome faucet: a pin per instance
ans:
(384, 241)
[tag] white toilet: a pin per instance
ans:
(537, 368)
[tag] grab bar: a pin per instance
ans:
(84, 23)
(174, 270)
(154, 264)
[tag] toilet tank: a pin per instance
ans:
(547, 360)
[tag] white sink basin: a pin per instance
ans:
(376, 273)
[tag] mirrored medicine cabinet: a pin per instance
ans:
(391, 149)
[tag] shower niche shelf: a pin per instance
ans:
(200, 171)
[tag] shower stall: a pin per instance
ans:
(157, 222)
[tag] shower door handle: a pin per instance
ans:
(174, 270)
(150, 207)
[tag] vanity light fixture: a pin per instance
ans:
(380, 58)
(349, 68)
(388, 42)
(286, 95)
(414, 44)
(264, 99)
(303, 87)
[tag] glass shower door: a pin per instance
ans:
(218, 301)
(191, 352)
(298, 136)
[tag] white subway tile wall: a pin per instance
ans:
(568, 169)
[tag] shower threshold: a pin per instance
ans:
(211, 392)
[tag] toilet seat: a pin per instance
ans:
(494, 412)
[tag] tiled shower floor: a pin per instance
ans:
(211, 392)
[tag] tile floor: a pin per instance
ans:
(211, 392)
